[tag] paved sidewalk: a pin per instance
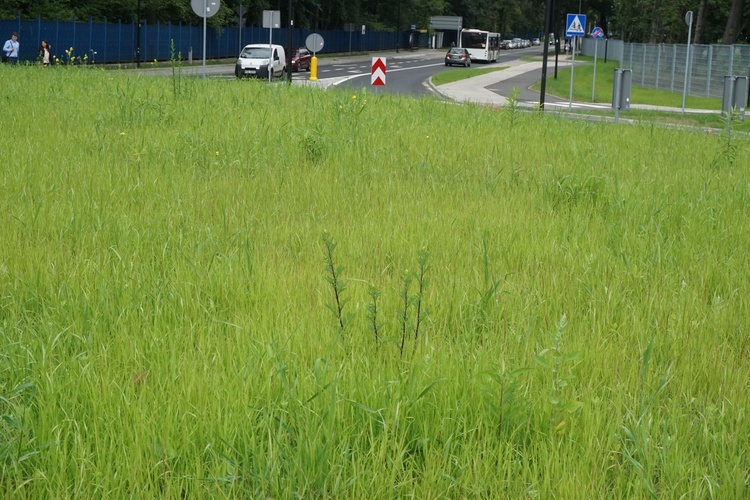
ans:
(494, 89)
(476, 90)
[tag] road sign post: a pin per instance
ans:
(349, 28)
(377, 77)
(574, 26)
(204, 9)
(689, 22)
(596, 34)
(241, 11)
(271, 20)
(314, 43)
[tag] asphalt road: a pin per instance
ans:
(407, 73)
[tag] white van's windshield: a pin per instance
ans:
(255, 53)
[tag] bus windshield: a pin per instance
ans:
(474, 40)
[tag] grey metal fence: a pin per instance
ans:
(662, 66)
(609, 49)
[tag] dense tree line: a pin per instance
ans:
(663, 21)
(655, 21)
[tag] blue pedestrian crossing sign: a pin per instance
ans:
(575, 25)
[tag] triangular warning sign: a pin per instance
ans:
(575, 26)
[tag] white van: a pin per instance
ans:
(254, 61)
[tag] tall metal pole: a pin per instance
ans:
(398, 26)
(545, 52)
(138, 37)
(289, 44)
(572, 68)
(205, 17)
(593, 84)
(689, 22)
(556, 34)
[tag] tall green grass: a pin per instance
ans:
(581, 327)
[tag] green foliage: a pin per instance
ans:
(313, 148)
(422, 281)
(727, 154)
(567, 191)
(564, 405)
(17, 442)
(505, 400)
(637, 446)
(175, 59)
(512, 108)
(406, 301)
(663, 22)
(372, 308)
(338, 285)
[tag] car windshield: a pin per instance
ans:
(255, 53)
(457, 51)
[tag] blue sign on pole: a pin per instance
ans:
(575, 25)
(597, 33)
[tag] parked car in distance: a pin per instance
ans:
(458, 55)
(254, 61)
(535, 42)
(506, 44)
(517, 43)
(301, 59)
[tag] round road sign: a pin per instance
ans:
(211, 7)
(597, 33)
(314, 42)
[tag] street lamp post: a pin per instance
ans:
(398, 26)
(138, 37)
(289, 42)
(545, 52)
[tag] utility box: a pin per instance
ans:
(621, 89)
(735, 96)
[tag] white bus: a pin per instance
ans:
(482, 45)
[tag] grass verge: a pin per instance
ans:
(223, 288)
(457, 74)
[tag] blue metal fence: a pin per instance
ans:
(115, 42)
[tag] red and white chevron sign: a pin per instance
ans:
(378, 71)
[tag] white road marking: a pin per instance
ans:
(347, 78)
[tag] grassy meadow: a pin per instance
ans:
(219, 288)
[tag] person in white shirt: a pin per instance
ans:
(45, 53)
(10, 49)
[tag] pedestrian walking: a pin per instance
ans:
(10, 49)
(45, 53)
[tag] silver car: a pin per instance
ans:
(459, 56)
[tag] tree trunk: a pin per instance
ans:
(656, 27)
(734, 23)
(700, 22)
